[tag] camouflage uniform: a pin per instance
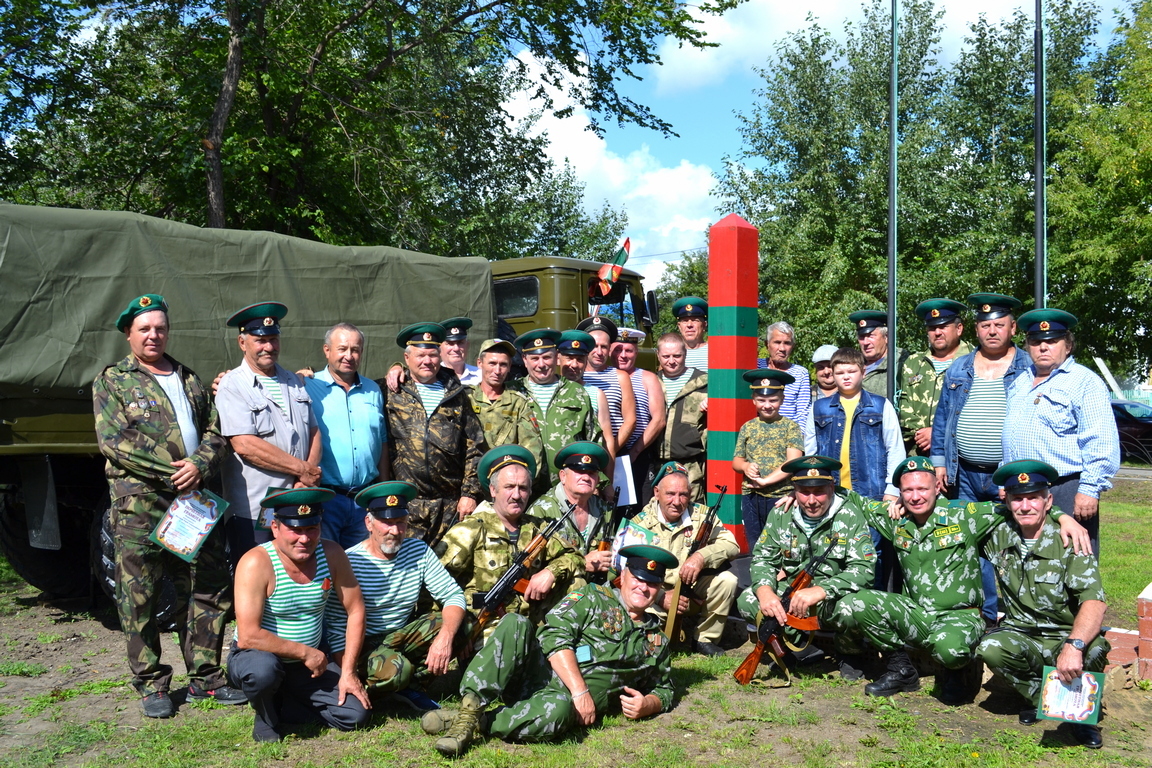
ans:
(612, 652)
(553, 505)
(920, 393)
(568, 418)
(477, 552)
(686, 433)
(389, 662)
(785, 545)
(715, 587)
(939, 610)
(137, 431)
(1041, 592)
(438, 455)
(509, 420)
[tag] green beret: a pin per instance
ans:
(582, 455)
(648, 563)
(936, 312)
(498, 458)
(297, 507)
(670, 468)
(456, 328)
(259, 319)
(426, 335)
(689, 306)
(912, 464)
(811, 470)
(575, 343)
(767, 381)
(387, 500)
(599, 323)
(537, 341)
(1047, 323)
(867, 320)
(149, 302)
(1025, 476)
(990, 306)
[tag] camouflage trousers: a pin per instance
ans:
(430, 519)
(512, 668)
(890, 621)
(719, 589)
(833, 615)
(1021, 658)
(203, 597)
(391, 661)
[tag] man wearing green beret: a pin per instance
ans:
(480, 548)
(158, 429)
(937, 544)
(401, 650)
(434, 437)
(923, 373)
(691, 313)
(598, 651)
(872, 336)
(562, 408)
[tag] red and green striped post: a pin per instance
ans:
(733, 331)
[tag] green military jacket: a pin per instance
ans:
(686, 432)
(612, 650)
(569, 417)
(508, 420)
(786, 546)
(920, 393)
(552, 506)
(439, 455)
(477, 552)
(649, 527)
(876, 380)
(1042, 590)
(138, 434)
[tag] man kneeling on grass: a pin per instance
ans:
(597, 650)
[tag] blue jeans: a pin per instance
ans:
(343, 521)
(973, 485)
(755, 509)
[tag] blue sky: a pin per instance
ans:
(665, 184)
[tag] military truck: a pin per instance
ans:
(65, 275)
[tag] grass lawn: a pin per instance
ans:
(1125, 564)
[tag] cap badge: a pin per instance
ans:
(303, 509)
(538, 342)
(575, 343)
(269, 321)
(688, 307)
(145, 301)
(454, 331)
(813, 472)
(1023, 477)
(391, 501)
(427, 337)
(910, 465)
(1044, 325)
(651, 565)
(862, 323)
(986, 308)
(585, 459)
(935, 313)
(596, 320)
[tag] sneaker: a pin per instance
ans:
(158, 704)
(225, 694)
(413, 699)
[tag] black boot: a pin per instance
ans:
(901, 676)
(960, 686)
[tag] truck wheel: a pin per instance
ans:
(59, 573)
(104, 554)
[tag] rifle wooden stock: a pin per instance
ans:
(672, 626)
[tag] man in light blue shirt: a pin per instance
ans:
(353, 432)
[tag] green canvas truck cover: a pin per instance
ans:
(65, 276)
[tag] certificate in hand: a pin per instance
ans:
(187, 523)
(1075, 702)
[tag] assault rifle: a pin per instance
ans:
(700, 540)
(491, 603)
(610, 532)
(769, 632)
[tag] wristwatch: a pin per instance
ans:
(1077, 644)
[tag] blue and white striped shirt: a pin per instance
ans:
(1066, 421)
(608, 380)
(643, 410)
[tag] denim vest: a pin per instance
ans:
(868, 458)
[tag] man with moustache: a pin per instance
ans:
(872, 336)
(923, 373)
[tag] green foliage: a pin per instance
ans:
(71, 741)
(21, 669)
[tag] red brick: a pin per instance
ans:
(1145, 648)
(1143, 607)
(1145, 669)
(1146, 626)
(1121, 656)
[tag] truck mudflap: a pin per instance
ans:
(41, 513)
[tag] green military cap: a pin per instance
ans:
(388, 500)
(767, 381)
(990, 306)
(498, 345)
(427, 335)
(669, 468)
(936, 312)
(689, 306)
(149, 302)
(868, 320)
(1047, 323)
(912, 464)
(575, 343)
(631, 336)
(599, 323)
(537, 341)
(456, 328)
(498, 458)
(582, 455)
(1025, 476)
(811, 470)
(297, 507)
(648, 563)
(261, 319)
